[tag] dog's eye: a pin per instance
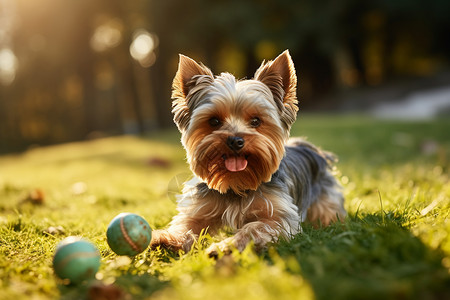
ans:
(255, 122)
(214, 122)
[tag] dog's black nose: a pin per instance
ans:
(235, 142)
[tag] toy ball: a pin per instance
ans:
(76, 260)
(128, 234)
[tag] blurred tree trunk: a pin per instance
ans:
(251, 63)
(130, 98)
(83, 62)
(166, 54)
(355, 48)
(162, 84)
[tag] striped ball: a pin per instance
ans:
(128, 234)
(76, 260)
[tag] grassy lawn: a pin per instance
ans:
(394, 245)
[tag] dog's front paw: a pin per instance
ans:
(224, 247)
(171, 241)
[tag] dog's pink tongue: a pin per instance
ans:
(235, 164)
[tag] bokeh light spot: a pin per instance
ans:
(141, 49)
(107, 35)
(8, 66)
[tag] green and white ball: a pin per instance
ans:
(76, 259)
(128, 234)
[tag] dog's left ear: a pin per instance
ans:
(187, 69)
(279, 76)
(186, 78)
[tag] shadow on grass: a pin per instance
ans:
(369, 257)
(126, 286)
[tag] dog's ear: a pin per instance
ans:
(279, 76)
(187, 69)
(186, 79)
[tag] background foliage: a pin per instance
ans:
(76, 69)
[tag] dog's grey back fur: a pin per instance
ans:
(305, 172)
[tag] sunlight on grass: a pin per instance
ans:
(395, 243)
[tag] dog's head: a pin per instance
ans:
(234, 131)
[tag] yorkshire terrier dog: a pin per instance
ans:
(250, 177)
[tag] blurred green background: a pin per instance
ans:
(71, 70)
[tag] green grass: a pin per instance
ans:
(394, 245)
